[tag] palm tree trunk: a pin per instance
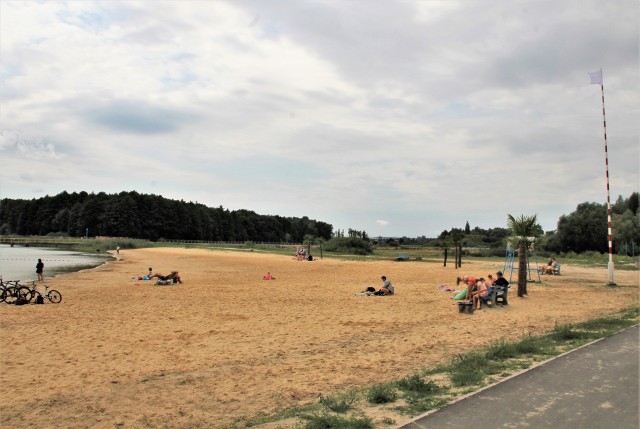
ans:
(522, 269)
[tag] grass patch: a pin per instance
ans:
(566, 333)
(530, 345)
(502, 350)
(604, 324)
(420, 395)
(329, 421)
(465, 377)
(468, 369)
(630, 313)
(282, 414)
(417, 404)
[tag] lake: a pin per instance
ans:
(19, 263)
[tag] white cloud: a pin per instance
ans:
(427, 113)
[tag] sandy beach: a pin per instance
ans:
(227, 345)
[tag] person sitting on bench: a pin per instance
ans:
(481, 291)
(500, 280)
(548, 269)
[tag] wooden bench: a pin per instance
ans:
(490, 299)
(496, 295)
(501, 295)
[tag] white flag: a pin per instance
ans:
(596, 77)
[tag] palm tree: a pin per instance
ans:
(523, 229)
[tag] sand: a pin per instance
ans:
(227, 345)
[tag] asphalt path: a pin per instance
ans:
(595, 386)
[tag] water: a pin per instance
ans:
(19, 263)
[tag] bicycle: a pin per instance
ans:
(12, 290)
(51, 294)
(4, 284)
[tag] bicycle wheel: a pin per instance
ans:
(11, 295)
(54, 296)
(25, 292)
(3, 293)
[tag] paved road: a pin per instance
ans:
(593, 387)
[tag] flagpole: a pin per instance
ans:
(606, 162)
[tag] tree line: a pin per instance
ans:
(151, 217)
(583, 230)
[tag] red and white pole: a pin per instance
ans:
(606, 162)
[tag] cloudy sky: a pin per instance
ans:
(392, 117)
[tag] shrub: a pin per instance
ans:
(415, 383)
(382, 394)
(339, 403)
(349, 245)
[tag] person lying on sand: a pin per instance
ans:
(173, 276)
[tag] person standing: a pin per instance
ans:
(40, 270)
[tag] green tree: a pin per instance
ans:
(350, 245)
(60, 222)
(523, 229)
(120, 217)
(582, 230)
(626, 229)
